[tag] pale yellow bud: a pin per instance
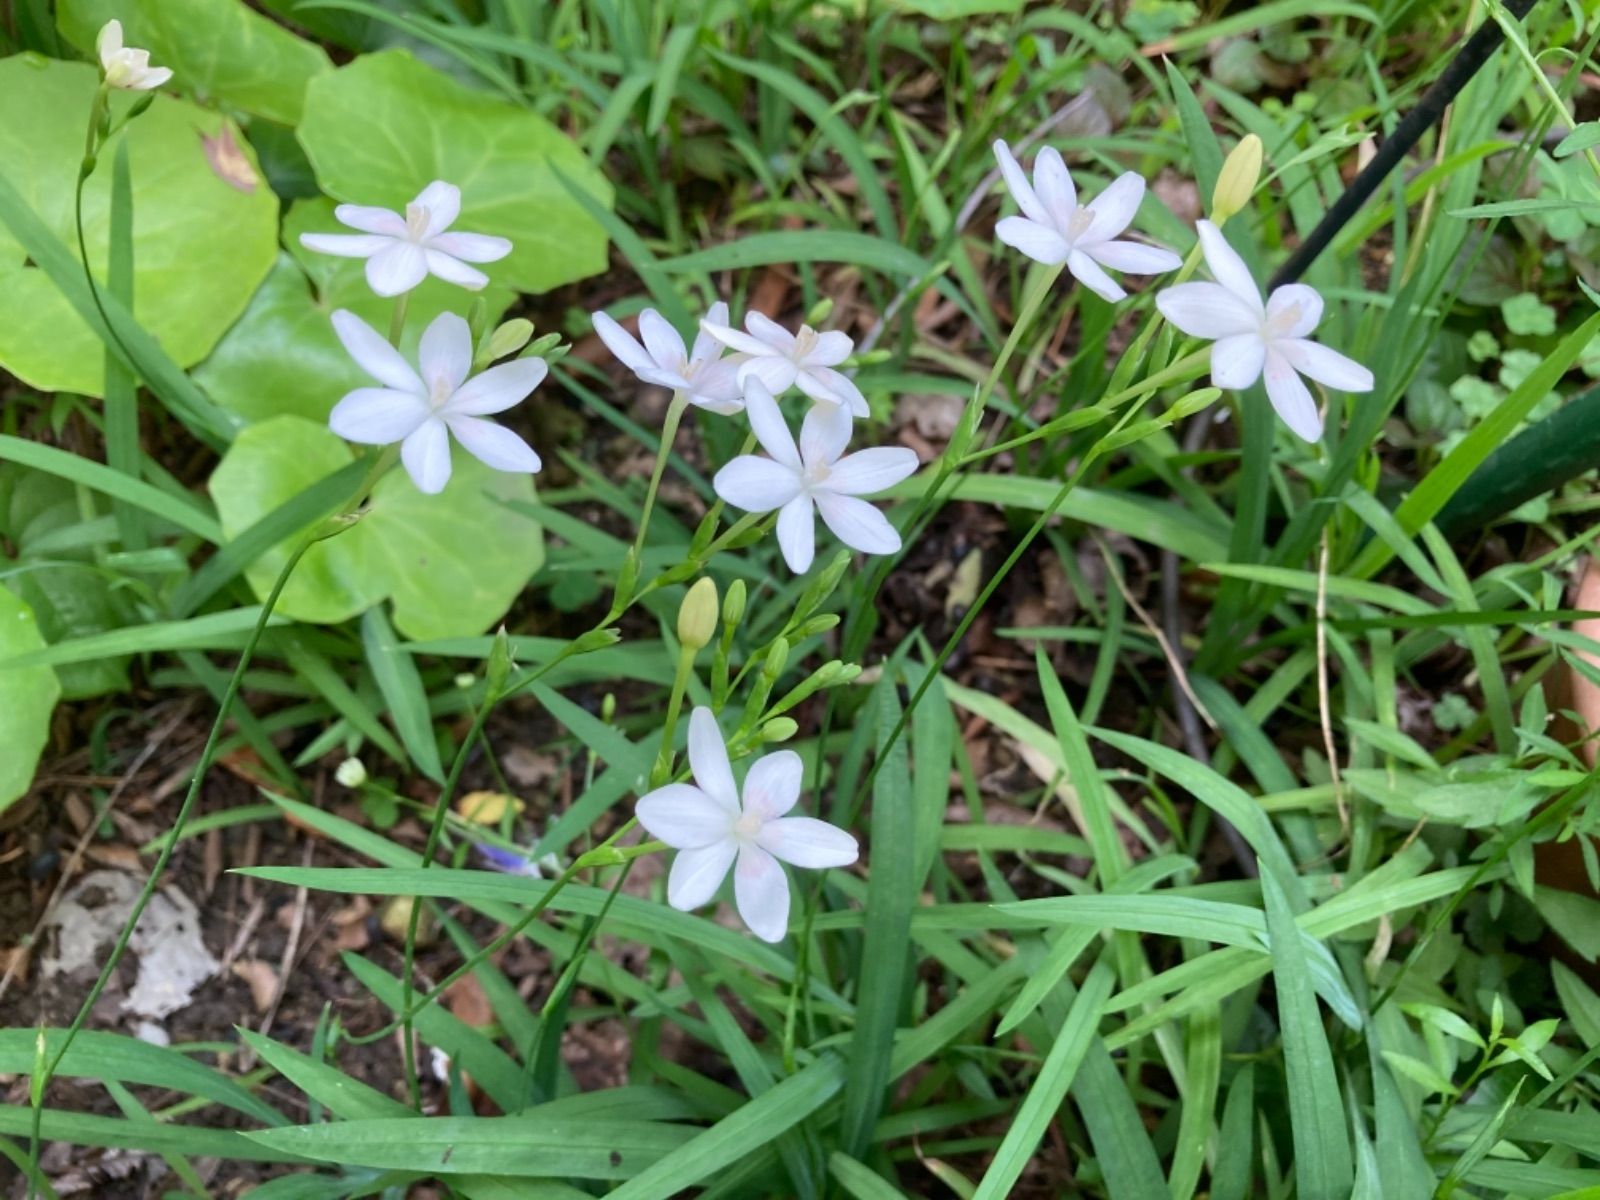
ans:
(1240, 174)
(509, 338)
(697, 616)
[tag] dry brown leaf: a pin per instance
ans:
(262, 979)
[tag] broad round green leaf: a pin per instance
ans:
(452, 563)
(26, 699)
(202, 246)
(382, 128)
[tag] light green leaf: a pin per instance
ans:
(382, 128)
(203, 246)
(27, 698)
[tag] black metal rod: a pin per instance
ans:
(1484, 41)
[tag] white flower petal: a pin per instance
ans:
(444, 356)
(425, 453)
(1087, 272)
(497, 389)
(371, 220)
(1039, 242)
(827, 386)
(831, 349)
(1019, 187)
(621, 343)
(872, 470)
(735, 339)
(494, 445)
(1114, 208)
(769, 333)
(108, 42)
(773, 785)
(1290, 397)
(857, 524)
(1327, 367)
(767, 423)
(661, 340)
(346, 245)
(808, 842)
(1228, 269)
(396, 268)
(1206, 310)
(683, 817)
(1236, 360)
(714, 386)
(453, 270)
(377, 416)
(706, 348)
(761, 892)
(776, 373)
(797, 534)
(708, 760)
(443, 202)
(1133, 256)
(1053, 185)
(471, 247)
(824, 433)
(374, 355)
(755, 484)
(697, 874)
(154, 77)
(1294, 310)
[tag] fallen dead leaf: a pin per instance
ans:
(262, 979)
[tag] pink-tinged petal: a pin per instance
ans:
(831, 349)
(443, 202)
(471, 247)
(621, 343)
(697, 874)
(1294, 310)
(777, 374)
(1134, 257)
(1327, 367)
(1228, 269)
(397, 268)
(661, 340)
(371, 220)
(1039, 242)
(683, 817)
(497, 389)
(1019, 187)
(872, 470)
(346, 245)
(797, 534)
(1291, 398)
(1206, 310)
(425, 455)
(494, 445)
(374, 355)
(1114, 208)
(708, 760)
(808, 842)
(833, 388)
(756, 485)
(761, 892)
(444, 356)
(772, 786)
(824, 434)
(767, 423)
(453, 270)
(378, 416)
(857, 524)
(735, 339)
(1053, 183)
(765, 330)
(714, 386)
(1236, 360)
(1087, 272)
(707, 347)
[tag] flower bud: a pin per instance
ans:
(1240, 173)
(779, 729)
(627, 576)
(697, 615)
(351, 773)
(465, 681)
(818, 624)
(545, 347)
(499, 662)
(777, 659)
(336, 525)
(733, 603)
(509, 338)
(820, 311)
(595, 639)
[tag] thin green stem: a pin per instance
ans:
(397, 320)
(669, 433)
(669, 727)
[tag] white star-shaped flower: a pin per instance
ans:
(797, 479)
(422, 410)
(1054, 228)
(124, 66)
(782, 360)
(402, 251)
(1255, 340)
(708, 380)
(712, 830)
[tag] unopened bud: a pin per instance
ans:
(777, 659)
(697, 615)
(466, 680)
(509, 338)
(336, 525)
(545, 346)
(733, 603)
(351, 773)
(499, 662)
(818, 624)
(820, 311)
(595, 639)
(779, 729)
(1241, 171)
